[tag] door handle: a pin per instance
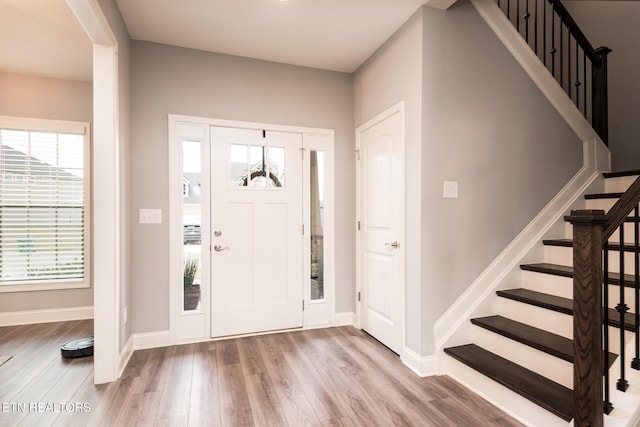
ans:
(219, 248)
(394, 245)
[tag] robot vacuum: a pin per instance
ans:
(77, 348)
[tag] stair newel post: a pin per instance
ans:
(599, 96)
(588, 366)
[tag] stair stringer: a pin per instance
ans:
(597, 155)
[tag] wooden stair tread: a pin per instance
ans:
(618, 174)
(567, 271)
(568, 243)
(550, 395)
(594, 196)
(560, 305)
(547, 342)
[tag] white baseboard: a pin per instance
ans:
(151, 340)
(30, 317)
(344, 319)
(125, 354)
(424, 366)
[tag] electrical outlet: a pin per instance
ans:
(450, 190)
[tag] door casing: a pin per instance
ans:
(187, 327)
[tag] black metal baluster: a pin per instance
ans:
(569, 63)
(622, 309)
(635, 363)
(544, 32)
(577, 82)
(607, 405)
(584, 85)
(553, 42)
(518, 15)
(561, 55)
(509, 10)
(526, 17)
(535, 26)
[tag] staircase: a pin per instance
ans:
(526, 344)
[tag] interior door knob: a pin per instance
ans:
(394, 245)
(219, 248)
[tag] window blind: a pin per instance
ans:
(42, 206)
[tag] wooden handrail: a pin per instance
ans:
(621, 209)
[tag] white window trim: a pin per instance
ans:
(32, 124)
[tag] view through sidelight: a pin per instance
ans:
(191, 223)
(317, 223)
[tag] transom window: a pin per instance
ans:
(43, 199)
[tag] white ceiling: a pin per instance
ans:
(42, 37)
(328, 34)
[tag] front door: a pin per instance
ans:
(256, 223)
(381, 213)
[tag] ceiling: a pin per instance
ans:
(46, 39)
(43, 38)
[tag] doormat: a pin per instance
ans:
(4, 360)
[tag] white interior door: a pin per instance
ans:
(381, 227)
(256, 221)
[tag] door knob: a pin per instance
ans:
(219, 248)
(394, 245)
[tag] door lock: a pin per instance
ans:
(394, 245)
(217, 233)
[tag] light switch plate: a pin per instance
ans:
(450, 190)
(150, 216)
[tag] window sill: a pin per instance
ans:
(42, 286)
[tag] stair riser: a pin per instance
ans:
(619, 184)
(512, 403)
(615, 237)
(564, 256)
(548, 320)
(563, 287)
(549, 366)
(548, 284)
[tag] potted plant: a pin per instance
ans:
(191, 291)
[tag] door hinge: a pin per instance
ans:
(302, 305)
(302, 150)
(358, 225)
(358, 295)
(358, 154)
(303, 229)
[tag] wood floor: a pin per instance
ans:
(324, 377)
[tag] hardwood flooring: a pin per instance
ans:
(323, 377)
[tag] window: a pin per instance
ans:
(43, 204)
(256, 166)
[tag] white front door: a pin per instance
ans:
(256, 223)
(381, 227)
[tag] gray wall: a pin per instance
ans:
(615, 24)
(487, 126)
(166, 80)
(391, 75)
(472, 116)
(54, 99)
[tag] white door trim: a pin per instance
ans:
(196, 326)
(396, 109)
